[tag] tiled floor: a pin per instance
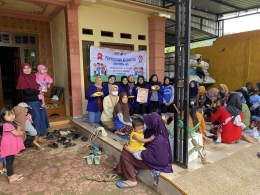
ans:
(62, 171)
(214, 152)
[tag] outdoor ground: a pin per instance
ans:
(62, 171)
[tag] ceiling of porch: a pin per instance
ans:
(32, 9)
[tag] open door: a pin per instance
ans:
(1, 90)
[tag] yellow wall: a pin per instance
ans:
(59, 47)
(234, 59)
(98, 18)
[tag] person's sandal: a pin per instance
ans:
(18, 179)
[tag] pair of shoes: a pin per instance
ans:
(62, 140)
(91, 157)
(53, 145)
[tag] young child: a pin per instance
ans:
(219, 103)
(254, 100)
(29, 128)
(200, 70)
(137, 138)
(44, 80)
(11, 143)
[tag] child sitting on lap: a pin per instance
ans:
(137, 138)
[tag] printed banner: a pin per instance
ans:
(105, 62)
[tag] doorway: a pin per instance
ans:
(9, 72)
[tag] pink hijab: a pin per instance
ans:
(213, 94)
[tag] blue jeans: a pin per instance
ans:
(2, 160)
(94, 117)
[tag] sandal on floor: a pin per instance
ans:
(96, 178)
(113, 177)
(2, 171)
(61, 140)
(53, 145)
(97, 160)
(119, 184)
(90, 159)
(76, 136)
(70, 145)
(66, 142)
(16, 180)
(113, 172)
(40, 148)
(84, 138)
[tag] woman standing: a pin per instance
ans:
(230, 131)
(131, 82)
(111, 81)
(155, 95)
(157, 157)
(122, 120)
(95, 105)
(168, 96)
(27, 83)
(139, 107)
(109, 104)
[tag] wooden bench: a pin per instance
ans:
(55, 106)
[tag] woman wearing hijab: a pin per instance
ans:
(249, 87)
(168, 96)
(246, 111)
(194, 91)
(156, 94)
(223, 89)
(27, 83)
(211, 97)
(157, 157)
(125, 87)
(111, 81)
(140, 107)
(122, 120)
(244, 92)
(131, 82)
(109, 104)
(95, 105)
(226, 117)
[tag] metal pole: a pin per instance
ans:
(176, 77)
(186, 81)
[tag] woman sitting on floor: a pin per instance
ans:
(122, 120)
(109, 104)
(227, 117)
(95, 105)
(124, 87)
(195, 118)
(157, 157)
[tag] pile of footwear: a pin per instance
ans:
(94, 156)
(60, 137)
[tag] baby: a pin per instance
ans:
(44, 80)
(137, 138)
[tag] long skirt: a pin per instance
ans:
(127, 165)
(39, 117)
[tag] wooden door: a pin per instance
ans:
(1, 90)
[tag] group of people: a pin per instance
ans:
(113, 105)
(26, 123)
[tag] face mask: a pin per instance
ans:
(114, 92)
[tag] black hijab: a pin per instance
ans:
(234, 106)
(151, 82)
(125, 86)
(143, 85)
(164, 81)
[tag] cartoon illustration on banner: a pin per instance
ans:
(105, 62)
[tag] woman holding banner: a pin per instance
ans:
(140, 107)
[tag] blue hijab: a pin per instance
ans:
(194, 90)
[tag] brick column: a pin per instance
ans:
(156, 33)
(73, 58)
